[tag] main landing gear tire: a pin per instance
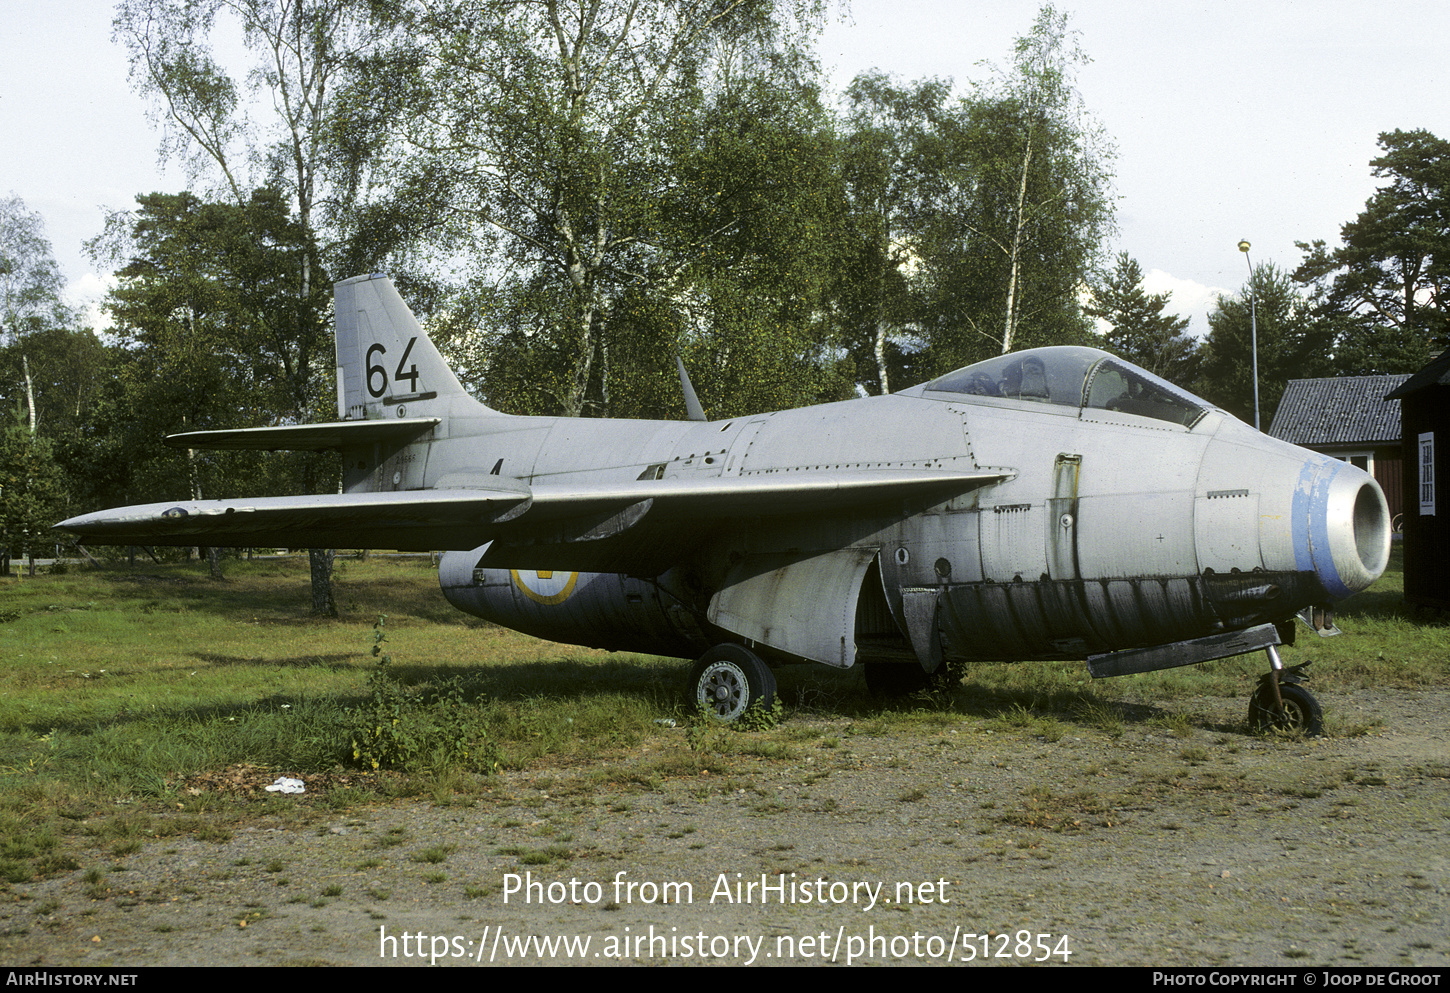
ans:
(1301, 710)
(728, 680)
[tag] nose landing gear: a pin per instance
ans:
(1282, 703)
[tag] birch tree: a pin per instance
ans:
(1047, 164)
(889, 129)
(546, 141)
(30, 287)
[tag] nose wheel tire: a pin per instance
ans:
(728, 680)
(1301, 711)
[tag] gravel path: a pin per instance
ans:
(1158, 844)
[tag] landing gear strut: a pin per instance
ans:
(728, 680)
(1282, 703)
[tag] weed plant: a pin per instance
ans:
(415, 728)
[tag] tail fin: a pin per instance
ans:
(386, 366)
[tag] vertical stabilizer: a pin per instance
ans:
(386, 366)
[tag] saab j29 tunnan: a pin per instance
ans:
(1056, 503)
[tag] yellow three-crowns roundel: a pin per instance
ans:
(545, 587)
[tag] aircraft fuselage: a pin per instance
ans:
(1110, 530)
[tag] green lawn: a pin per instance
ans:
(119, 684)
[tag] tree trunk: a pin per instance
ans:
(29, 392)
(323, 604)
(881, 315)
(214, 561)
(1010, 330)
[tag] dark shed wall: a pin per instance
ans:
(1427, 537)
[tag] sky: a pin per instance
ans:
(1233, 119)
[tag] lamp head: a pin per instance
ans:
(1244, 247)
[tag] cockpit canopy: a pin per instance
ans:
(1073, 376)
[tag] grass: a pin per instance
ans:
(139, 685)
(140, 704)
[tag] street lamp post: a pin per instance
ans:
(1254, 330)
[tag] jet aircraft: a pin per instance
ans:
(1056, 503)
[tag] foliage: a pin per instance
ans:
(889, 130)
(299, 50)
(1290, 345)
(630, 182)
(222, 279)
(271, 172)
(1385, 290)
(1140, 331)
(30, 282)
(66, 372)
(30, 304)
(413, 728)
(46, 372)
(32, 492)
(589, 153)
(416, 728)
(634, 181)
(1038, 99)
(752, 308)
(1019, 199)
(215, 336)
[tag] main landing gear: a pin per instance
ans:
(728, 680)
(1281, 703)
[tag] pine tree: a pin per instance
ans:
(1140, 330)
(1291, 345)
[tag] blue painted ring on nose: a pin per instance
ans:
(1311, 524)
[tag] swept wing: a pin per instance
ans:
(638, 526)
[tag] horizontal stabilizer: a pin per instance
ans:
(306, 437)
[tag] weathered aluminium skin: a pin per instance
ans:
(1057, 503)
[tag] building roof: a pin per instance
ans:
(1347, 410)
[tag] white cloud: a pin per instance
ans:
(85, 295)
(1186, 298)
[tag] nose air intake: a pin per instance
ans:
(1346, 527)
(1371, 530)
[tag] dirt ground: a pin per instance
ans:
(963, 840)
